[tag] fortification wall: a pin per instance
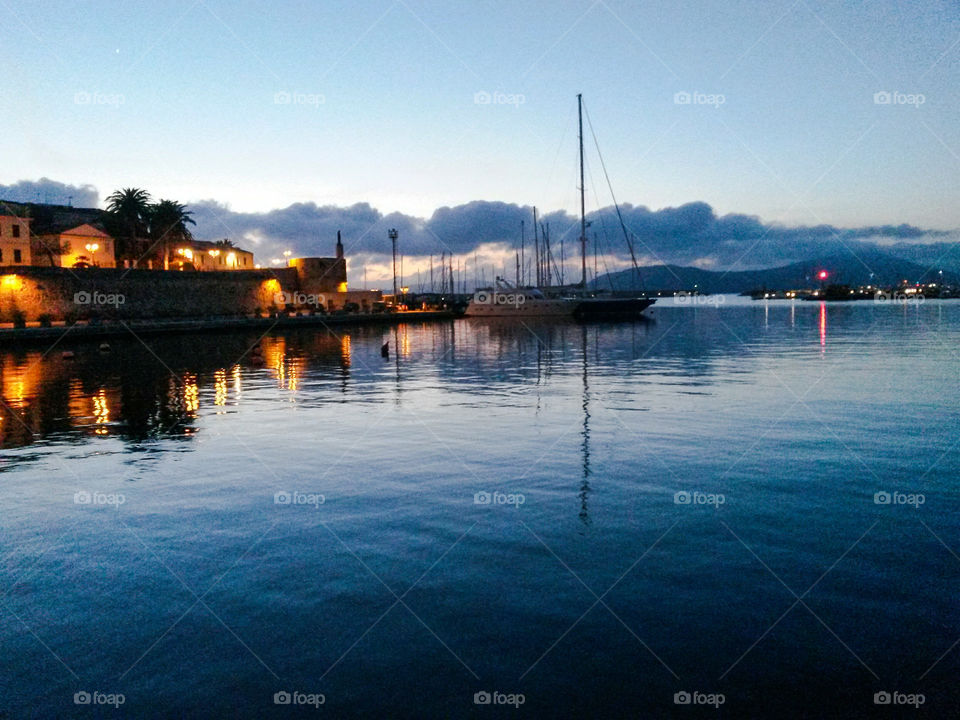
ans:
(66, 294)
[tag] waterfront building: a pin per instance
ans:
(14, 236)
(81, 246)
(209, 256)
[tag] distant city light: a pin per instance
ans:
(822, 274)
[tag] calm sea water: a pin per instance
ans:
(753, 500)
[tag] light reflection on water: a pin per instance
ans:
(796, 412)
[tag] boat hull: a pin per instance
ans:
(540, 308)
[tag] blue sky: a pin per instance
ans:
(259, 105)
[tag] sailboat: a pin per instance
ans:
(593, 304)
(577, 301)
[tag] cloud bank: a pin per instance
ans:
(692, 234)
(489, 234)
(52, 192)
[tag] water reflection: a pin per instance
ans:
(823, 326)
(135, 393)
(220, 390)
(585, 434)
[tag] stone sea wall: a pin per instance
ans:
(66, 294)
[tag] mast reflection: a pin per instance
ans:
(585, 434)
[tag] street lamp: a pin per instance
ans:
(92, 249)
(392, 234)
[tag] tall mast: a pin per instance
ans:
(523, 280)
(583, 216)
(536, 246)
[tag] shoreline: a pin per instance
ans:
(120, 328)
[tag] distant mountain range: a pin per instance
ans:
(867, 267)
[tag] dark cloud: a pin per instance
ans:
(691, 234)
(52, 192)
(685, 235)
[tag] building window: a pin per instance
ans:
(1, 255)
(17, 257)
(16, 229)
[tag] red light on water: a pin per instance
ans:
(823, 274)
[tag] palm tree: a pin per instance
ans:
(130, 207)
(168, 223)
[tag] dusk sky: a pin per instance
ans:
(259, 105)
